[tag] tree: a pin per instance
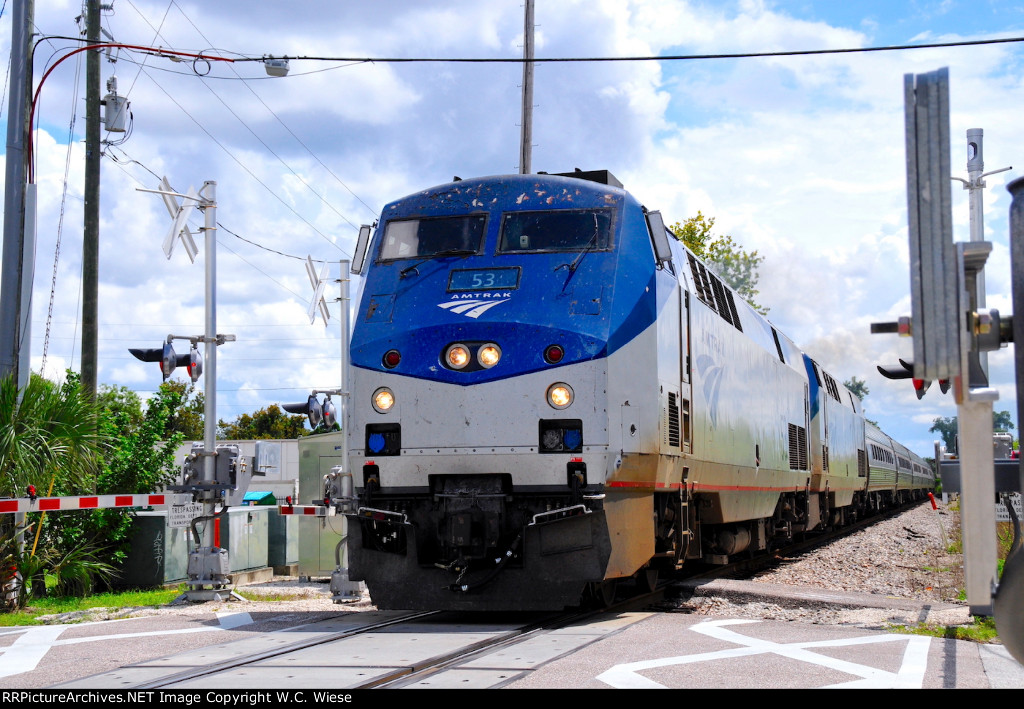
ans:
(140, 458)
(269, 422)
(50, 434)
(858, 386)
(1002, 421)
(50, 438)
(728, 259)
(187, 419)
(947, 427)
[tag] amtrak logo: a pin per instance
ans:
(474, 306)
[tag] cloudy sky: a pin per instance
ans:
(799, 158)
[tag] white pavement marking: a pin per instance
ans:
(24, 654)
(909, 676)
(233, 620)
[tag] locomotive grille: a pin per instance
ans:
(862, 463)
(673, 420)
(797, 447)
(714, 293)
(700, 279)
(723, 305)
(732, 309)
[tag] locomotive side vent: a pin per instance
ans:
(714, 293)
(833, 388)
(778, 345)
(700, 280)
(862, 463)
(797, 447)
(723, 305)
(732, 308)
(673, 420)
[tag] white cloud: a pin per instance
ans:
(800, 158)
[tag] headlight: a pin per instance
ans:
(560, 395)
(383, 400)
(488, 356)
(457, 356)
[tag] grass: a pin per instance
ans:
(981, 630)
(250, 596)
(66, 604)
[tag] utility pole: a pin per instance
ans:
(91, 232)
(526, 132)
(19, 206)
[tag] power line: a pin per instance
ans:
(276, 117)
(130, 160)
(265, 248)
(655, 58)
(244, 167)
(292, 133)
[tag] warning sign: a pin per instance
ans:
(181, 515)
(1002, 515)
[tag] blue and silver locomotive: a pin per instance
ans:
(550, 395)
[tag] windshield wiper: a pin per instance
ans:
(440, 254)
(586, 249)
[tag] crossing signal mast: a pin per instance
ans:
(952, 334)
(213, 475)
(338, 491)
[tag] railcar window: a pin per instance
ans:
(423, 238)
(556, 230)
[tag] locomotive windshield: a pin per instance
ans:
(423, 238)
(559, 230)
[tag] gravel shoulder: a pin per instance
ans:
(901, 563)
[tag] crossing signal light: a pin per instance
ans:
(195, 364)
(905, 370)
(330, 412)
(921, 386)
(312, 409)
(166, 356)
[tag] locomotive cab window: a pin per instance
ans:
(425, 238)
(558, 230)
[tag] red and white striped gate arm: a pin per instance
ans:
(88, 502)
(306, 510)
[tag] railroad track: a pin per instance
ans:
(405, 650)
(391, 650)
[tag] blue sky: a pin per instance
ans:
(799, 158)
